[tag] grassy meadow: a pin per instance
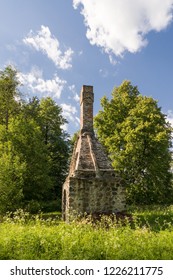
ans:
(148, 235)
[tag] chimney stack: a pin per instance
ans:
(86, 103)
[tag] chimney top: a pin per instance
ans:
(86, 102)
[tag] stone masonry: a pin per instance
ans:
(92, 186)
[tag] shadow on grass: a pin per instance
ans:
(155, 218)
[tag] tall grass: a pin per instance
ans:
(149, 236)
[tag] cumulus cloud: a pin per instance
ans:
(45, 42)
(69, 108)
(76, 97)
(118, 26)
(35, 82)
(70, 112)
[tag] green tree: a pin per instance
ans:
(138, 139)
(11, 175)
(26, 137)
(56, 140)
(48, 116)
(9, 95)
(33, 148)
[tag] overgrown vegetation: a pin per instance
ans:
(148, 236)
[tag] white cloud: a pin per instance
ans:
(76, 97)
(170, 117)
(45, 42)
(77, 119)
(35, 82)
(70, 112)
(112, 60)
(121, 25)
(64, 127)
(69, 108)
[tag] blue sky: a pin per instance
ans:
(59, 45)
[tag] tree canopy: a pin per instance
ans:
(33, 149)
(137, 137)
(9, 95)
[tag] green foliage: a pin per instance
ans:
(138, 139)
(11, 179)
(31, 237)
(28, 144)
(9, 95)
(74, 138)
(48, 117)
(73, 142)
(33, 149)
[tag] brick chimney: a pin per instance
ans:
(86, 103)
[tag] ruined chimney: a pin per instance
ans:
(92, 186)
(86, 103)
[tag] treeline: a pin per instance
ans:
(34, 149)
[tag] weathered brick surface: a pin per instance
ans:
(92, 185)
(86, 103)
